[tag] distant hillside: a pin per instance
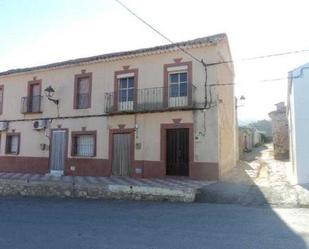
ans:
(263, 125)
(245, 122)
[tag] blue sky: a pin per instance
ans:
(37, 32)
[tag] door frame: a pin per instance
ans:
(130, 131)
(66, 147)
(164, 128)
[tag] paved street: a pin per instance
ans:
(66, 223)
(257, 180)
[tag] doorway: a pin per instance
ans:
(121, 154)
(58, 152)
(177, 152)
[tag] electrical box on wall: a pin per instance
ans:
(44, 147)
(197, 138)
(138, 146)
(138, 170)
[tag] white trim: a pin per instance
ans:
(56, 173)
(177, 68)
(126, 75)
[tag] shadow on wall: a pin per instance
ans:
(238, 188)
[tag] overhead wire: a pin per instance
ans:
(206, 65)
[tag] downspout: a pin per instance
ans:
(206, 105)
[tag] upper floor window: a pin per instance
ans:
(34, 97)
(84, 143)
(1, 99)
(178, 84)
(12, 143)
(126, 89)
(125, 96)
(178, 89)
(33, 101)
(82, 98)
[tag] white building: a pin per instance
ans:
(298, 115)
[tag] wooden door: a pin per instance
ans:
(177, 152)
(58, 150)
(121, 154)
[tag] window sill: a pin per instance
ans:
(26, 113)
(82, 157)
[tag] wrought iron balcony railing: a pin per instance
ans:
(150, 99)
(31, 104)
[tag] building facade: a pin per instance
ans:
(280, 130)
(298, 116)
(137, 113)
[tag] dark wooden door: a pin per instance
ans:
(177, 152)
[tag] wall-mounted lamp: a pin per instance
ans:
(242, 100)
(49, 93)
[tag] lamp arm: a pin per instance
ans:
(56, 101)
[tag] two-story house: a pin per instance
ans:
(137, 113)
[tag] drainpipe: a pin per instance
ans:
(206, 105)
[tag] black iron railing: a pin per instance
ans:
(31, 104)
(150, 99)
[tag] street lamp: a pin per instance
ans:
(49, 93)
(242, 100)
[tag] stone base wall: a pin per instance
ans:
(69, 190)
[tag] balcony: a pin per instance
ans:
(31, 104)
(150, 100)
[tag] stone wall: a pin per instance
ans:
(71, 189)
(280, 129)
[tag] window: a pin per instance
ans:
(126, 89)
(82, 98)
(12, 143)
(1, 99)
(178, 84)
(34, 97)
(84, 144)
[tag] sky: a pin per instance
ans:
(36, 32)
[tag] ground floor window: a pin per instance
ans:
(84, 143)
(12, 143)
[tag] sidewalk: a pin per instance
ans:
(260, 180)
(171, 189)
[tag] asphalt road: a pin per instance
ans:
(56, 223)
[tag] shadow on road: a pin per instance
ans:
(256, 152)
(27, 223)
(239, 188)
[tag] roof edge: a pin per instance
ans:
(207, 40)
